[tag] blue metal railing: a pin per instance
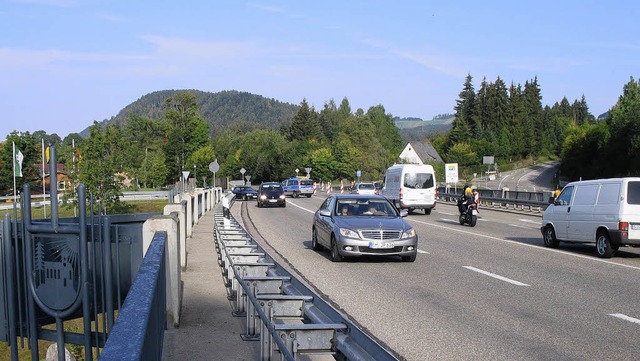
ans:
(138, 331)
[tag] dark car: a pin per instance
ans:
(245, 192)
(352, 225)
(271, 194)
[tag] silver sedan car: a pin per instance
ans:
(352, 225)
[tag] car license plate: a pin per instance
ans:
(272, 200)
(380, 245)
(635, 227)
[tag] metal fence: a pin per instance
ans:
(63, 279)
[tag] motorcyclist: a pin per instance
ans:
(466, 200)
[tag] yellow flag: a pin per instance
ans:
(46, 154)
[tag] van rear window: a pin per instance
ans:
(418, 180)
(633, 193)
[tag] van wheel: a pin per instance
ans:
(335, 254)
(427, 211)
(314, 241)
(296, 194)
(603, 246)
(549, 238)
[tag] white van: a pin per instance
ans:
(603, 211)
(411, 186)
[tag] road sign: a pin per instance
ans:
(214, 166)
(451, 172)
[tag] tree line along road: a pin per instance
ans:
(484, 293)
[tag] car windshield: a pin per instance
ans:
(271, 187)
(364, 207)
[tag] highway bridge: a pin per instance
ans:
(489, 292)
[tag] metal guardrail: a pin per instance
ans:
(534, 202)
(283, 313)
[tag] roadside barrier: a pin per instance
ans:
(285, 316)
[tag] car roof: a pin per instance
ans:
(358, 196)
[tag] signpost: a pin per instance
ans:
(243, 171)
(451, 174)
(214, 167)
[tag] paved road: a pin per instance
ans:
(537, 178)
(484, 293)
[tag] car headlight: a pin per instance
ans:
(409, 233)
(348, 233)
(282, 196)
(263, 197)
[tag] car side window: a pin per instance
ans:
(565, 197)
(325, 204)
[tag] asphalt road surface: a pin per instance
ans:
(492, 292)
(537, 178)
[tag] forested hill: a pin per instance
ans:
(218, 109)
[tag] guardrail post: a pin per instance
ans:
(258, 285)
(167, 224)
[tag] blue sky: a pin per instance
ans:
(66, 63)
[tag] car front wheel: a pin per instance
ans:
(335, 254)
(314, 241)
(550, 239)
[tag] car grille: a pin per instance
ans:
(364, 249)
(380, 234)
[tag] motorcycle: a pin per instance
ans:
(468, 212)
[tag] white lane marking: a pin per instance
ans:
(301, 207)
(496, 276)
(537, 247)
(310, 211)
(625, 317)
(447, 213)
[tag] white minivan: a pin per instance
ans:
(602, 211)
(411, 186)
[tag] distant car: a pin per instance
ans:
(245, 192)
(296, 187)
(363, 188)
(271, 194)
(352, 225)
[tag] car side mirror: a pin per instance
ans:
(552, 200)
(325, 213)
(404, 212)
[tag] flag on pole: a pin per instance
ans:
(17, 160)
(46, 154)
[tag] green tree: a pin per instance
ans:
(100, 164)
(623, 149)
(201, 159)
(305, 124)
(186, 132)
(153, 170)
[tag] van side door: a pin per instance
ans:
(560, 212)
(581, 226)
